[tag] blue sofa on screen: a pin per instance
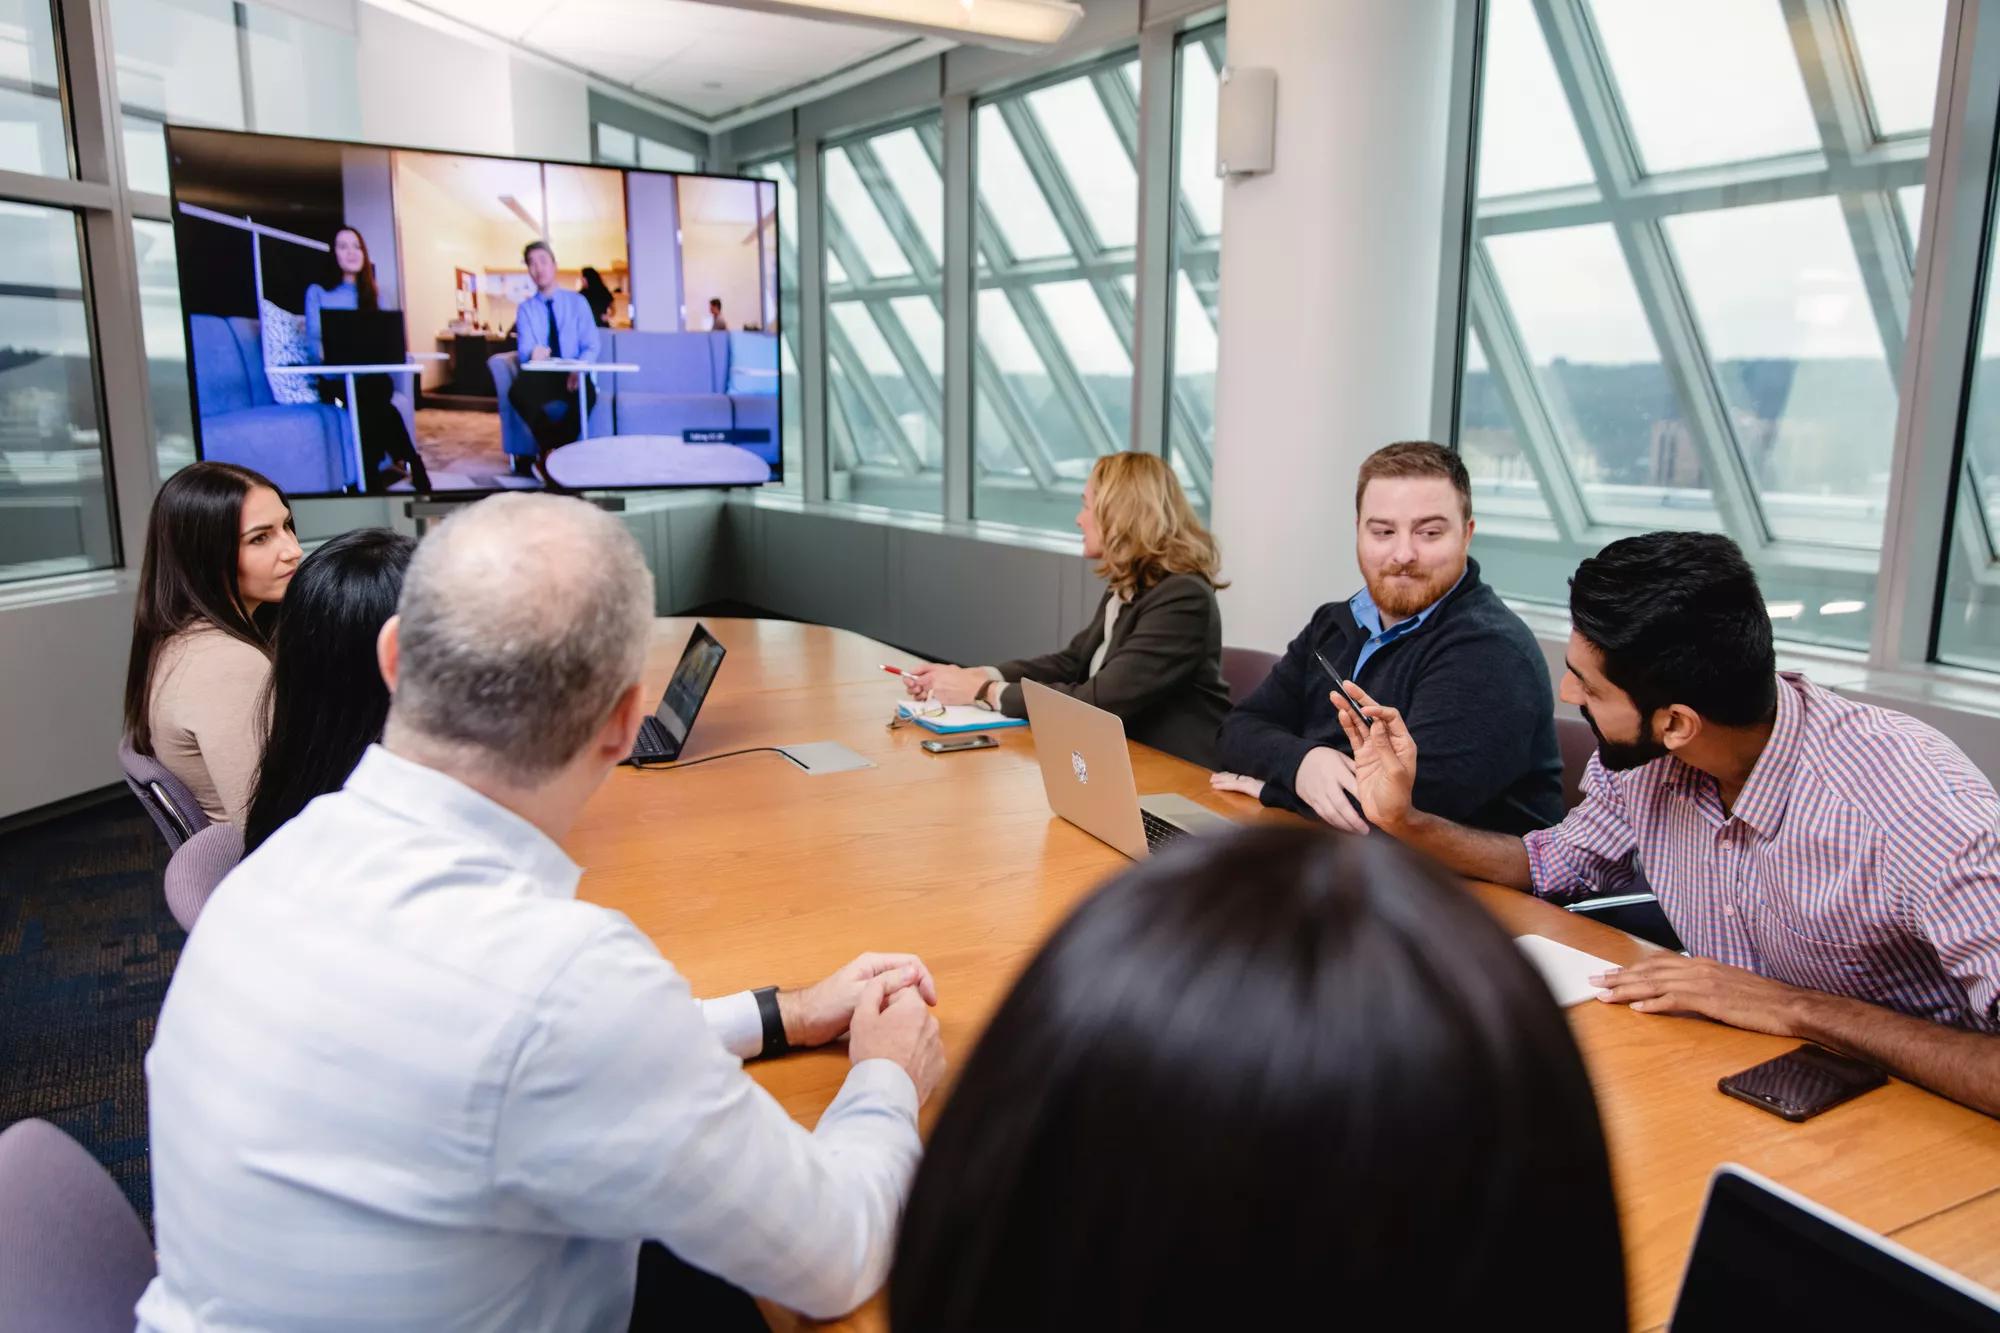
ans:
(679, 386)
(515, 437)
(303, 448)
(753, 388)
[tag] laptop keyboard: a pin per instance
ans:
(1158, 831)
(654, 743)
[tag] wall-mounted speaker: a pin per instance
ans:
(1246, 131)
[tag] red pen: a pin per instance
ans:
(894, 671)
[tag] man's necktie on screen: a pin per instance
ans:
(555, 334)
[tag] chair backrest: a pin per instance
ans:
(166, 798)
(219, 371)
(198, 867)
(1577, 742)
(73, 1254)
(1244, 669)
(687, 363)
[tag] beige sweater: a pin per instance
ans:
(207, 718)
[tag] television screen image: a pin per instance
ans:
(369, 320)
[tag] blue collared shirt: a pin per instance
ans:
(574, 322)
(1369, 617)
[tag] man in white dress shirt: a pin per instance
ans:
(404, 1080)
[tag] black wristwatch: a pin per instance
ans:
(774, 1022)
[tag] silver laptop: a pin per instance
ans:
(1766, 1258)
(1087, 772)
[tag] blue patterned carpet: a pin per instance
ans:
(86, 950)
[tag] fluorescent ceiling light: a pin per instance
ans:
(1017, 23)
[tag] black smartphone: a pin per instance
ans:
(953, 744)
(1799, 1084)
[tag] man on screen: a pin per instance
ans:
(553, 324)
(716, 323)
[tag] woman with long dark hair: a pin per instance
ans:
(600, 297)
(388, 453)
(1277, 1072)
(220, 553)
(328, 702)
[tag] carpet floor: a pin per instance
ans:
(86, 950)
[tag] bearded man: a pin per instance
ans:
(1426, 637)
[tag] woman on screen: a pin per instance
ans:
(1257, 1076)
(328, 702)
(1152, 652)
(220, 554)
(388, 453)
(599, 296)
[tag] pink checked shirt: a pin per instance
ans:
(1862, 858)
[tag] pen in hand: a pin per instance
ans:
(1334, 676)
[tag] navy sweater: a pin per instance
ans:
(1471, 684)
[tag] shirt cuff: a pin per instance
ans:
(736, 1023)
(878, 1080)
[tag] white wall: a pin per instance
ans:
(551, 112)
(1329, 291)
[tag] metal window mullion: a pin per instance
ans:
(949, 143)
(1513, 373)
(1030, 444)
(1159, 218)
(1050, 178)
(1945, 316)
(813, 373)
(1830, 65)
(923, 381)
(909, 237)
(1021, 435)
(1614, 158)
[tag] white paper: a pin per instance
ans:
(1568, 971)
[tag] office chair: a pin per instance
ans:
(198, 867)
(166, 798)
(73, 1254)
(1244, 669)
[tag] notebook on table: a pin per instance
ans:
(957, 719)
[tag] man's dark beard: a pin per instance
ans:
(1624, 756)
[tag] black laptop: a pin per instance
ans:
(362, 338)
(663, 735)
(1768, 1259)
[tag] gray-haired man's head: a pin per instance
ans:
(524, 618)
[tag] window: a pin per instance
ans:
(166, 344)
(784, 170)
(1968, 627)
(1056, 182)
(884, 236)
(1197, 252)
(1687, 312)
(53, 485)
(32, 135)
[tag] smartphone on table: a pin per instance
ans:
(953, 744)
(1800, 1084)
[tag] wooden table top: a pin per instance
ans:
(749, 872)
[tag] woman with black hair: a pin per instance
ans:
(328, 702)
(220, 553)
(1275, 1073)
(389, 454)
(600, 297)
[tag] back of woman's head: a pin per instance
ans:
(189, 574)
(1148, 528)
(1276, 1072)
(328, 702)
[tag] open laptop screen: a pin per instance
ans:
(1764, 1258)
(700, 660)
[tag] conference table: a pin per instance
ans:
(749, 871)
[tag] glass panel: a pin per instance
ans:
(885, 347)
(1094, 160)
(1506, 494)
(1190, 442)
(1057, 333)
(853, 212)
(656, 156)
(177, 60)
(1901, 43)
(616, 145)
(1968, 631)
(1008, 194)
(913, 176)
(166, 345)
(1599, 371)
(1795, 348)
(1527, 137)
(32, 138)
(1752, 98)
(1195, 112)
(1910, 199)
(53, 486)
(791, 391)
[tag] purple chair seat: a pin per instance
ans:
(198, 867)
(73, 1255)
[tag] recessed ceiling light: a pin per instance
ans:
(1017, 23)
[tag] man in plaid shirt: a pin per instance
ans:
(1833, 867)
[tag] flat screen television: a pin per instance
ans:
(368, 320)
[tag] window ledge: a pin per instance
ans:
(998, 534)
(68, 588)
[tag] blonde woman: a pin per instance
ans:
(1153, 652)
